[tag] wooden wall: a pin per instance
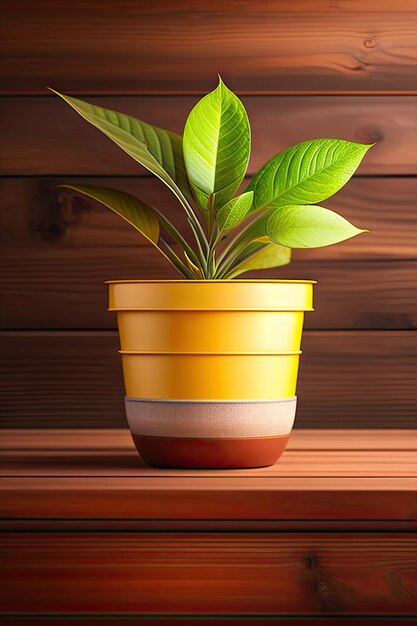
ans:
(305, 68)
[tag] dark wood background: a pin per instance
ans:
(305, 69)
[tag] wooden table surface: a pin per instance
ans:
(323, 475)
(89, 530)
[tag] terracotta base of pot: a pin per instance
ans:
(178, 452)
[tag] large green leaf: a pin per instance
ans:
(262, 257)
(217, 144)
(234, 211)
(309, 227)
(140, 215)
(307, 173)
(158, 150)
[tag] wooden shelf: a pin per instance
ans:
(363, 476)
(88, 529)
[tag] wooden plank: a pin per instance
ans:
(62, 291)
(45, 477)
(73, 379)
(357, 294)
(275, 46)
(220, 621)
(42, 135)
(319, 454)
(34, 213)
(57, 255)
(252, 574)
(148, 573)
(91, 501)
(28, 441)
(66, 292)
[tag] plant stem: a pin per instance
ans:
(214, 236)
(229, 269)
(217, 233)
(199, 234)
(241, 240)
(210, 210)
(226, 260)
(176, 261)
(176, 235)
(203, 255)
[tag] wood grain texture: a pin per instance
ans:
(34, 213)
(172, 573)
(68, 291)
(57, 255)
(220, 621)
(73, 379)
(42, 135)
(275, 46)
(49, 478)
(86, 527)
(52, 442)
(309, 454)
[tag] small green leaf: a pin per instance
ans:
(217, 144)
(263, 257)
(306, 173)
(309, 227)
(140, 215)
(234, 211)
(137, 213)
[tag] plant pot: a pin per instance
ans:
(210, 368)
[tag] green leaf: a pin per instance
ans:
(309, 227)
(140, 215)
(263, 257)
(158, 150)
(201, 198)
(137, 213)
(234, 211)
(217, 144)
(307, 173)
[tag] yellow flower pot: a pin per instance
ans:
(210, 367)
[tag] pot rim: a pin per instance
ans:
(210, 295)
(210, 280)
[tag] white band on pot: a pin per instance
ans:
(210, 419)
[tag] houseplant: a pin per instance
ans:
(210, 363)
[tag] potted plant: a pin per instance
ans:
(210, 363)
